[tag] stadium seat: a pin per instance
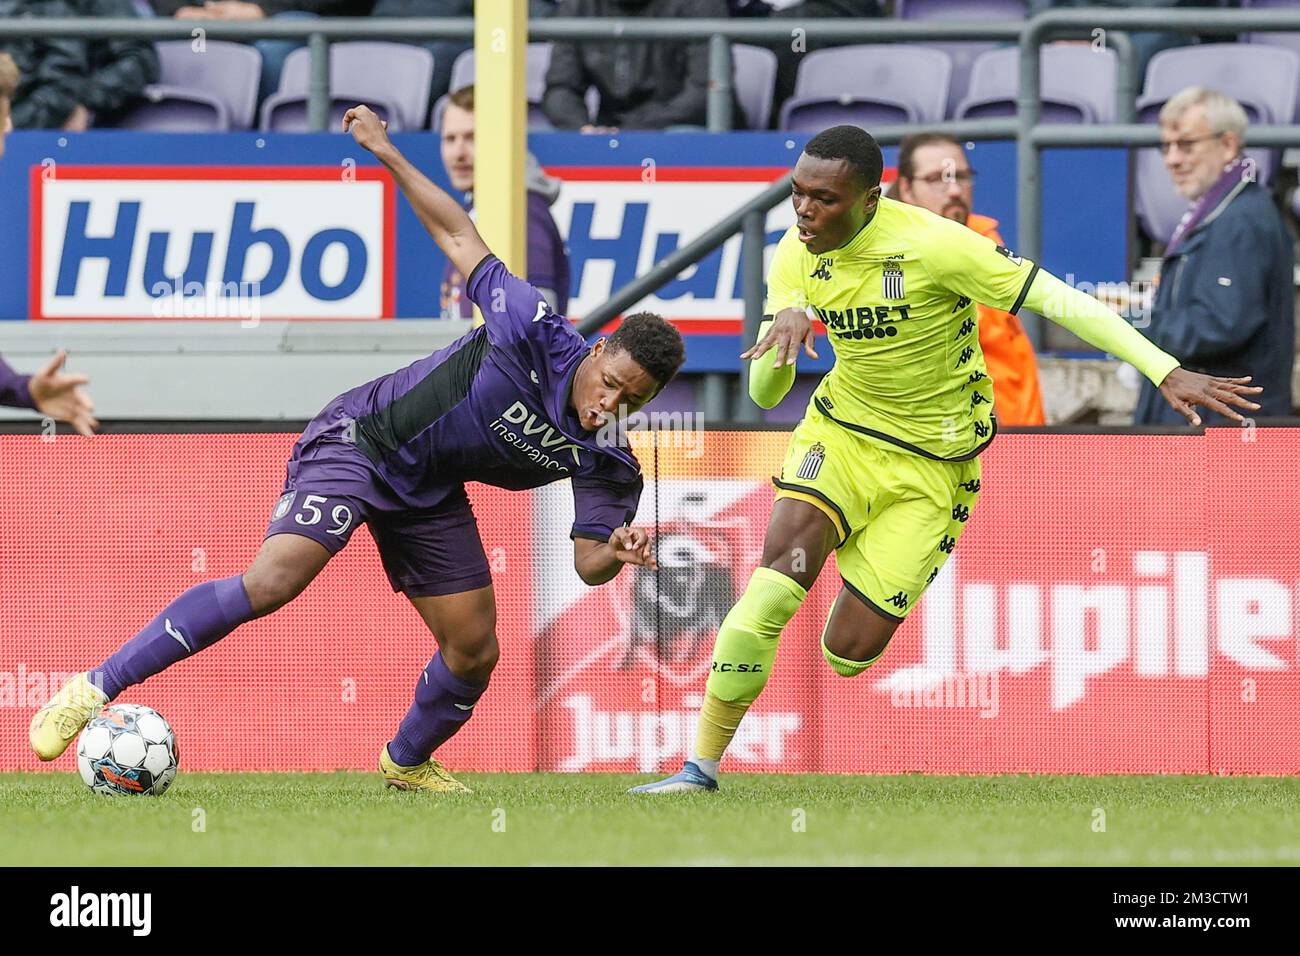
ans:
(1289, 41)
(1078, 84)
(199, 92)
(398, 92)
(755, 78)
(1263, 79)
(962, 54)
(959, 9)
(868, 84)
(537, 59)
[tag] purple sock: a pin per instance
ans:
(443, 702)
(197, 619)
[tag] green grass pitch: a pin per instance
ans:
(560, 819)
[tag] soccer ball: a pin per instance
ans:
(128, 750)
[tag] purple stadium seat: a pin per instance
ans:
(391, 78)
(537, 59)
(868, 84)
(959, 9)
(962, 54)
(1263, 79)
(197, 92)
(1078, 84)
(754, 68)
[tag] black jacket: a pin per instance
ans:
(117, 71)
(59, 74)
(642, 85)
(53, 70)
(1226, 305)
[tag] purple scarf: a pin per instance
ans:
(1233, 178)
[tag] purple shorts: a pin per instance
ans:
(330, 488)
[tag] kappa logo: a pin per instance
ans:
(823, 270)
(1014, 259)
(812, 462)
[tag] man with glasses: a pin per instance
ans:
(1225, 301)
(933, 173)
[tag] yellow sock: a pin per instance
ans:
(719, 720)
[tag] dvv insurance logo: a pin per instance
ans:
(207, 242)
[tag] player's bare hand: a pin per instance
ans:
(366, 127)
(60, 396)
(632, 546)
(791, 328)
(1183, 389)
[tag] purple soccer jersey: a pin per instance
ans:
(492, 407)
(13, 388)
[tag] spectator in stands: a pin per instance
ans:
(642, 85)
(274, 52)
(117, 70)
(66, 83)
(1225, 302)
(933, 172)
(1146, 44)
(51, 69)
(547, 261)
(50, 391)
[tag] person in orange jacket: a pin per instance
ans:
(933, 172)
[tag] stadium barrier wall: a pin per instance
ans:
(1119, 603)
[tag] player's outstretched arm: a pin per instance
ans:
(597, 562)
(1096, 324)
(442, 216)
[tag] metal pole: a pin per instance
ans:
(714, 404)
(1028, 197)
(1126, 78)
(752, 245)
(720, 83)
(318, 88)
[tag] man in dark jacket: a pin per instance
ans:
(66, 82)
(642, 85)
(52, 68)
(1225, 303)
(117, 70)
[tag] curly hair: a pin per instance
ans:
(652, 342)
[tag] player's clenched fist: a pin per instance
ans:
(632, 546)
(366, 127)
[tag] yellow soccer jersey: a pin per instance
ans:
(899, 305)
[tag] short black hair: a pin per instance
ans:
(855, 146)
(654, 344)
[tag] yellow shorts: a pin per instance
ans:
(899, 515)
